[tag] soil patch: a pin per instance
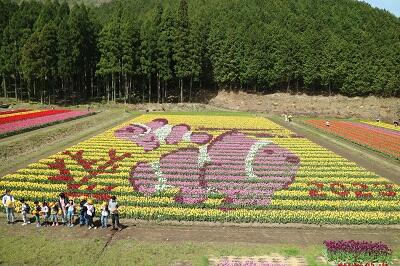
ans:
(311, 106)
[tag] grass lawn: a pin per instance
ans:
(63, 246)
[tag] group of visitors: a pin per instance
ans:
(65, 211)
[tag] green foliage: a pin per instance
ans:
(181, 46)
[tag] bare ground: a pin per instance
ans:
(150, 232)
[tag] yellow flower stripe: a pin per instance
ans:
(381, 124)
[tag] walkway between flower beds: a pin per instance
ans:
(144, 231)
(204, 232)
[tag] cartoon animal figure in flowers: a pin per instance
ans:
(240, 168)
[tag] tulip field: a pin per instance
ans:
(237, 168)
(15, 121)
(376, 136)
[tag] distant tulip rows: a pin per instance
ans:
(15, 121)
(382, 125)
(385, 140)
(212, 168)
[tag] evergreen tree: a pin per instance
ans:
(182, 46)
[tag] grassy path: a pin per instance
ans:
(364, 157)
(20, 150)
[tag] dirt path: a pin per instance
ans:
(44, 142)
(365, 158)
(150, 232)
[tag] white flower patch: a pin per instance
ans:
(186, 136)
(251, 155)
(203, 156)
(162, 133)
(162, 182)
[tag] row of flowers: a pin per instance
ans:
(212, 168)
(352, 251)
(9, 112)
(381, 124)
(24, 121)
(379, 139)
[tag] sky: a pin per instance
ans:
(392, 6)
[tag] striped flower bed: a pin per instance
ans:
(212, 168)
(29, 115)
(24, 120)
(382, 125)
(380, 139)
(12, 111)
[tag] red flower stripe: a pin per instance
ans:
(31, 115)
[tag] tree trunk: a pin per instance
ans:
(113, 86)
(181, 87)
(143, 85)
(149, 88)
(190, 89)
(29, 90)
(119, 85)
(34, 88)
(158, 87)
(165, 90)
(15, 87)
(4, 86)
(329, 88)
(126, 88)
(108, 88)
(63, 89)
(288, 85)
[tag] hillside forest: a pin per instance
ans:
(175, 51)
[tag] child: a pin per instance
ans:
(25, 209)
(104, 215)
(45, 213)
(89, 213)
(54, 213)
(82, 212)
(36, 213)
(70, 212)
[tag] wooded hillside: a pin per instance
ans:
(159, 51)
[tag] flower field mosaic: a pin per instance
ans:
(212, 168)
(382, 139)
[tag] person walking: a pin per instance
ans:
(113, 209)
(8, 203)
